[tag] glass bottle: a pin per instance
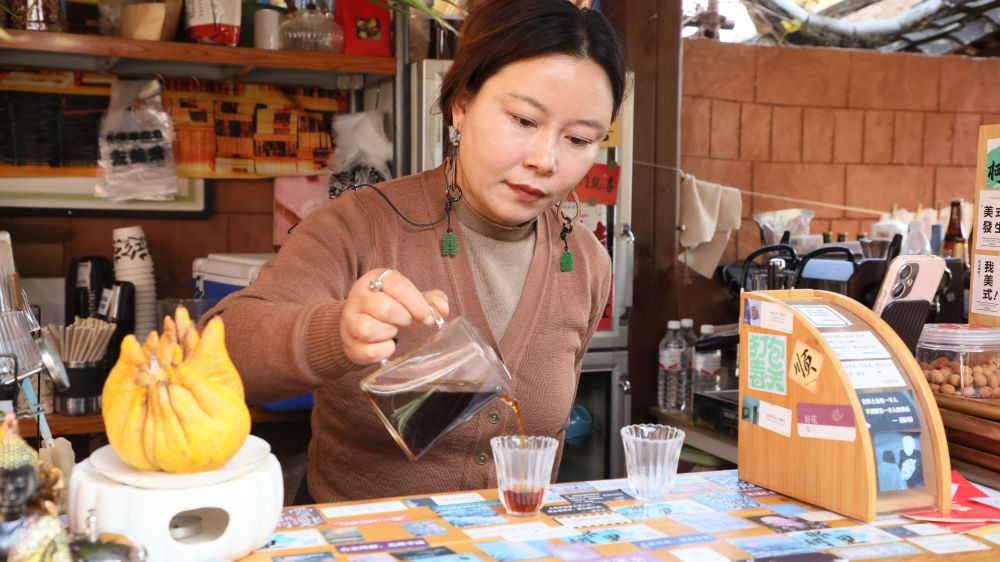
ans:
(954, 243)
(307, 30)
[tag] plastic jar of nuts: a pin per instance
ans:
(961, 360)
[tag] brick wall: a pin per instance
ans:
(857, 128)
(241, 222)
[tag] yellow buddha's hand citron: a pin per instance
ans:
(176, 403)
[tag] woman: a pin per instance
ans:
(533, 89)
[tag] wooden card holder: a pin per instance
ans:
(834, 408)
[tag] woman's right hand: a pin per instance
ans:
(373, 316)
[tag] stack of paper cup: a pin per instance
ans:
(133, 263)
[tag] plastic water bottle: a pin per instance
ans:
(916, 243)
(673, 382)
(707, 373)
(687, 331)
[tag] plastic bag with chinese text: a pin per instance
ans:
(136, 145)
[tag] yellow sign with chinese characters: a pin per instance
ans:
(805, 366)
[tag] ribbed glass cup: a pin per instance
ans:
(523, 472)
(651, 455)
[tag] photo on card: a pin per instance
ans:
(785, 523)
(898, 460)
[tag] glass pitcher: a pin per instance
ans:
(427, 392)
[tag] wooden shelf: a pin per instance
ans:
(116, 55)
(76, 425)
(699, 437)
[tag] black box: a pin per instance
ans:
(717, 410)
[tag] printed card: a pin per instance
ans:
(806, 365)
(571, 487)
(776, 418)
(787, 508)
(613, 484)
(592, 520)
(363, 509)
(639, 512)
(728, 501)
(424, 528)
(511, 550)
(286, 540)
(597, 497)
(433, 552)
(674, 541)
(874, 373)
(899, 461)
(769, 545)
(843, 536)
(625, 533)
(574, 509)
(870, 551)
(730, 481)
(342, 535)
(822, 316)
(700, 554)
(945, 544)
(573, 552)
(373, 520)
(988, 221)
(983, 296)
(302, 516)
(767, 357)
(381, 546)
(774, 316)
(889, 411)
(470, 515)
(317, 557)
(856, 345)
(712, 522)
(454, 499)
(785, 523)
(632, 557)
(826, 421)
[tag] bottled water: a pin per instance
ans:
(707, 372)
(673, 382)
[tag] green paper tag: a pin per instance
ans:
(993, 169)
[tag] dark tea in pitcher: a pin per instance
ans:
(417, 419)
(433, 389)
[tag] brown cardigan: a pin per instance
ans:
(283, 335)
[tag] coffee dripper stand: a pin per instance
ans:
(49, 363)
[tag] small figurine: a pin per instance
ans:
(35, 534)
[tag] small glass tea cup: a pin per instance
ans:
(524, 469)
(651, 455)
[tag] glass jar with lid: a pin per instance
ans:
(308, 30)
(36, 15)
(961, 359)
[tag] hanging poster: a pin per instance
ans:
(984, 251)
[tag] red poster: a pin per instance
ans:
(605, 322)
(599, 186)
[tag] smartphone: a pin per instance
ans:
(910, 278)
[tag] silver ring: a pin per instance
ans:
(376, 284)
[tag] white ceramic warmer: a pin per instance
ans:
(222, 514)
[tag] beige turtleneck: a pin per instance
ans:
(500, 256)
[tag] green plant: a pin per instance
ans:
(403, 7)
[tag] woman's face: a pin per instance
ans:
(530, 135)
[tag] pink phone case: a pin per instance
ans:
(910, 278)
